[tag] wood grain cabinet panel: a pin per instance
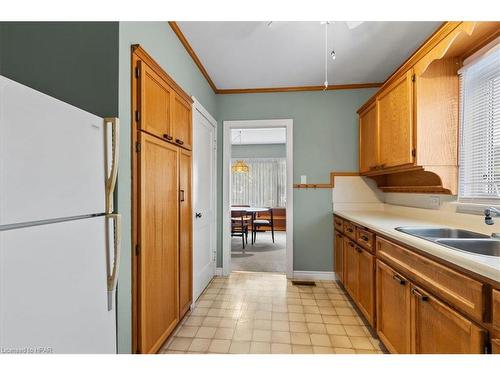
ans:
(393, 309)
(496, 308)
(368, 139)
(339, 256)
(350, 230)
(365, 238)
(154, 105)
(181, 122)
(438, 329)
(351, 271)
(185, 233)
(159, 260)
(456, 288)
(395, 120)
(338, 224)
(366, 284)
(495, 346)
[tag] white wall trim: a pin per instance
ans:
(197, 106)
(226, 165)
(218, 271)
(314, 275)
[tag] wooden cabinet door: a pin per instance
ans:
(339, 257)
(366, 284)
(181, 122)
(437, 329)
(393, 309)
(351, 268)
(185, 233)
(368, 139)
(395, 121)
(155, 97)
(159, 231)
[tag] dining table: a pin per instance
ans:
(252, 210)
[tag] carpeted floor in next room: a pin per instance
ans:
(263, 256)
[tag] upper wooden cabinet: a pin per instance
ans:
(181, 122)
(395, 123)
(408, 134)
(368, 139)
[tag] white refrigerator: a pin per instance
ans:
(59, 237)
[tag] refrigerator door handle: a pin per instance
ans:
(111, 178)
(113, 278)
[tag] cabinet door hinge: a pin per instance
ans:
(137, 147)
(137, 116)
(413, 152)
(137, 249)
(413, 78)
(137, 72)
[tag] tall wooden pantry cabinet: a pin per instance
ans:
(162, 230)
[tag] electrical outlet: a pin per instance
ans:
(434, 202)
(303, 179)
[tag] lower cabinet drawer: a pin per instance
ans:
(438, 329)
(338, 223)
(461, 291)
(350, 230)
(365, 238)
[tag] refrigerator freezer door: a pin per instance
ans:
(52, 157)
(53, 288)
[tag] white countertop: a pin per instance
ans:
(384, 219)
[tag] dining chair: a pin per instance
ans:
(260, 222)
(239, 225)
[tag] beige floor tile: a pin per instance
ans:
(187, 331)
(344, 351)
(302, 349)
(331, 319)
(278, 325)
(280, 308)
(361, 343)
(228, 323)
(260, 348)
(296, 317)
(311, 309)
(199, 345)
(168, 351)
(340, 341)
(300, 338)
(204, 303)
(180, 343)
(281, 348)
(336, 329)
(318, 339)
(224, 333)
(280, 337)
(314, 318)
(298, 327)
(261, 335)
(240, 347)
(323, 350)
(262, 324)
(280, 316)
(345, 311)
(194, 321)
(244, 324)
(349, 320)
(242, 335)
(294, 301)
(219, 346)
(295, 308)
(365, 351)
(324, 303)
(211, 321)
(355, 331)
(200, 311)
(267, 315)
(309, 302)
(316, 328)
(206, 332)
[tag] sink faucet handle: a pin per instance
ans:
(488, 213)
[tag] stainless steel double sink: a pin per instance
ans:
(457, 239)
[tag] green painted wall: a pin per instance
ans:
(158, 39)
(258, 151)
(76, 62)
(324, 139)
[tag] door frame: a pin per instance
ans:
(226, 166)
(197, 106)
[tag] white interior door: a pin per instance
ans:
(53, 288)
(204, 168)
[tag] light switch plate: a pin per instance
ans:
(303, 179)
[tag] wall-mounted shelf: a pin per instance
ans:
(331, 185)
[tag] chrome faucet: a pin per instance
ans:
(488, 219)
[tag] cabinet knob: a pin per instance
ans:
(178, 141)
(419, 295)
(198, 215)
(399, 279)
(167, 137)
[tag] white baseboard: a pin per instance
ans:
(218, 271)
(314, 275)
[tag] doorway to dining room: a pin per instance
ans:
(258, 196)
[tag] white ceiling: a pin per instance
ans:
(258, 136)
(253, 54)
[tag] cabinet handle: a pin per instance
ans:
(351, 244)
(382, 166)
(364, 238)
(167, 137)
(419, 295)
(182, 195)
(178, 141)
(399, 279)
(349, 230)
(358, 249)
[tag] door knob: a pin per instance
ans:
(198, 215)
